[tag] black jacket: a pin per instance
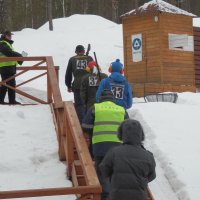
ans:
(7, 51)
(76, 69)
(130, 167)
(89, 87)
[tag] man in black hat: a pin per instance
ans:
(8, 68)
(76, 69)
(101, 122)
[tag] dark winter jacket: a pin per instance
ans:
(7, 51)
(76, 69)
(89, 86)
(130, 167)
(120, 88)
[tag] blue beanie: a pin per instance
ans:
(116, 66)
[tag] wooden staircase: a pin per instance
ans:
(73, 147)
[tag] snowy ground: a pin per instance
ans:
(29, 151)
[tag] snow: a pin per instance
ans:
(28, 141)
(196, 22)
(158, 5)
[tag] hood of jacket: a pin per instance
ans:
(117, 77)
(131, 132)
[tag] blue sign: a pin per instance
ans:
(137, 43)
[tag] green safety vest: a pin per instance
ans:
(7, 63)
(108, 117)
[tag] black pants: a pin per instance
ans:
(78, 105)
(105, 182)
(7, 72)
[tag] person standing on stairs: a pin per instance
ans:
(76, 69)
(129, 167)
(118, 84)
(102, 121)
(90, 84)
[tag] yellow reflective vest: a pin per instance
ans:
(108, 117)
(7, 63)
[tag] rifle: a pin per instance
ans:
(95, 57)
(88, 49)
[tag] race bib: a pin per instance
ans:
(93, 81)
(81, 64)
(118, 91)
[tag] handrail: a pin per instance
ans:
(70, 137)
(80, 144)
(49, 192)
(71, 141)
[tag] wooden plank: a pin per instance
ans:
(24, 93)
(59, 113)
(54, 120)
(34, 78)
(49, 192)
(81, 145)
(4, 59)
(54, 83)
(30, 68)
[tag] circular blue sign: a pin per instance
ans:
(136, 44)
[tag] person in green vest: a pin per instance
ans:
(101, 122)
(8, 68)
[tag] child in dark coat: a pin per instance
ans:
(129, 166)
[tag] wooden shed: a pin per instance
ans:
(159, 48)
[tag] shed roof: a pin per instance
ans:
(157, 6)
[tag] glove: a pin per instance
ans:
(24, 54)
(69, 89)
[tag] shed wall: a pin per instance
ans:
(178, 65)
(197, 55)
(148, 70)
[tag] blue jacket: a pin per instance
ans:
(120, 88)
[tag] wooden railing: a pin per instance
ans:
(71, 141)
(72, 145)
(49, 69)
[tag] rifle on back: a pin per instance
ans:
(95, 57)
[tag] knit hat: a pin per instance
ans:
(7, 32)
(80, 49)
(116, 66)
(106, 95)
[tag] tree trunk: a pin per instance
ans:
(115, 4)
(136, 4)
(49, 10)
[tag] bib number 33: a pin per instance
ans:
(118, 91)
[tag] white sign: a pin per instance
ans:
(137, 47)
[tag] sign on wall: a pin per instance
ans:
(137, 47)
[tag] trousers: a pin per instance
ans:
(7, 72)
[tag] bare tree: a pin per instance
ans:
(136, 4)
(85, 6)
(50, 18)
(115, 4)
(5, 17)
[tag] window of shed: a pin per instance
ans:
(181, 42)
